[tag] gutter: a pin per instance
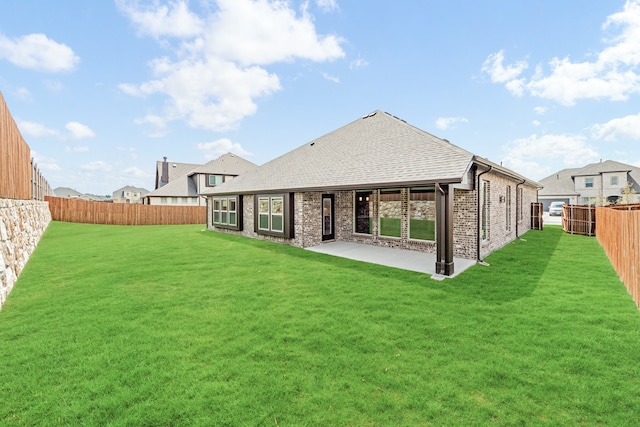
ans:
(479, 243)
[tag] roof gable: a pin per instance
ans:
(375, 150)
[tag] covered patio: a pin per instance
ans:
(399, 258)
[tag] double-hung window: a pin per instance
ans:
(272, 214)
(227, 212)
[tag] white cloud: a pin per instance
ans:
(216, 148)
(23, 93)
(38, 52)
(327, 5)
(218, 75)
(536, 123)
(261, 32)
(174, 20)
(136, 172)
(131, 150)
(621, 128)
(35, 130)
(79, 131)
(358, 63)
(493, 66)
(613, 74)
(530, 155)
(540, 110)
(331, 78)
(449, 122)
(45, 163)
(99, 166)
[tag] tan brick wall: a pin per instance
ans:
(308, 220)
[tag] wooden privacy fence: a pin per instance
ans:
(77, 210)
(19, 175)
(579, 219)
(619, 236)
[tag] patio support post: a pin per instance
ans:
(444, 230)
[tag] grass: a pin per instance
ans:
(172, 326)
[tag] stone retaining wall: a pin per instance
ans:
(22, 223)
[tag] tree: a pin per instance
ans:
(628, 194)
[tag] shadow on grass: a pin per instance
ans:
(513, 273)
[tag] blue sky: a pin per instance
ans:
(101, 90)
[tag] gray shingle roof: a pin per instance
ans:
(373, 151)
(179, 187)
(227, 164)
(560, 183)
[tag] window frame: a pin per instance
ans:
(223, 208)
(380, 201)
(614, 180)
(265, 205)
(213, 175)
(366, 197)
(508, 208)
(588, 182)
(485, 223)
(414, 190)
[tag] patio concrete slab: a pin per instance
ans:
(398, 258)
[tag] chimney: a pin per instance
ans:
(164, 179)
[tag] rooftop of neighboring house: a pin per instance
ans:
(184, 186)
(168, 171)
(66, 192)
(562, 182)
(119, 193)
(377, 150)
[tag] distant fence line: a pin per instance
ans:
(579, 219)
(619, 235)
(83, 211)
(19, 175)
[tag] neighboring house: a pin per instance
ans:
(379, 181)
(169, 171)
(595, 184)
(67, 193)
(129, 194)
(184, 190)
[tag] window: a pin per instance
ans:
(486, 192)
(194, 200)
(163, 200)
(227, 212)
(174, 200)
(588, 182)
(507, 200)
(213, 180)
(520, 205)
(364, 212)
(272, 215)
(422, 213)
(586, 201)
(390, 213)
(185, 200)
(614, 180)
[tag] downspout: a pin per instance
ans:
(518, 204)
(479, 243)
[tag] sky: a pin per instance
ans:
(102, 90)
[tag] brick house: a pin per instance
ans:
(379, 181)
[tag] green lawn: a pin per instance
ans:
(171, 325)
